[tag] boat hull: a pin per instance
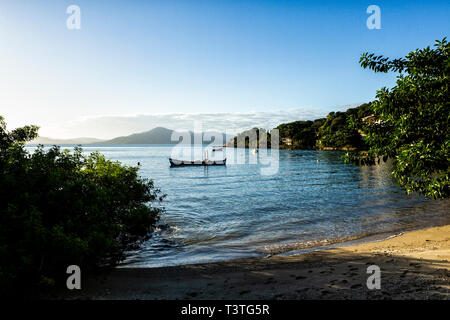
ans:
(185, 163)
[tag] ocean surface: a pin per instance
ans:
(267, 203)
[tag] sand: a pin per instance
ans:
(414, 265)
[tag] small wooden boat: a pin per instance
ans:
(182, 163)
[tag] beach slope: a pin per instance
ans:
(414, 265)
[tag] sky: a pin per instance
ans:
(136, 64)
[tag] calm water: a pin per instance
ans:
(313, 199)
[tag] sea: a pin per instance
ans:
(271, 202)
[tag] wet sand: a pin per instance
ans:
(415, 265)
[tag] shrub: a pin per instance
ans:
(59, 208)
(410, 121)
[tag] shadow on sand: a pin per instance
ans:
(329, 274)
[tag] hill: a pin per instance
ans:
(53, 141)
(161, 135)
(338, 131)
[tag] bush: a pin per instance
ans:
(410, 121)
(59, 208)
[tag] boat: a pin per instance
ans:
(206, 162)
(254, 150)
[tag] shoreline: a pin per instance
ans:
(414, 265)
(295, 250)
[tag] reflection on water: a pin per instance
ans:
(219, 213)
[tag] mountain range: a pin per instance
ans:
(82, 140)
(157, 135)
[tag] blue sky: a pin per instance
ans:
(134, 58)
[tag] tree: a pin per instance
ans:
(339, 130)
(337, 133)
(410, 121)
(59, 208)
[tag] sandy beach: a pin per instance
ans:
(414, 265)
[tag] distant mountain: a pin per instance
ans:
(161, 135)
(157, 135)
(52, 141)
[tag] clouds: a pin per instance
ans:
(106, 127)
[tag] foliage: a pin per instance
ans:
(59, 208)
(299, 134)
(340, 130)
(253, 138)
(410, 121)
